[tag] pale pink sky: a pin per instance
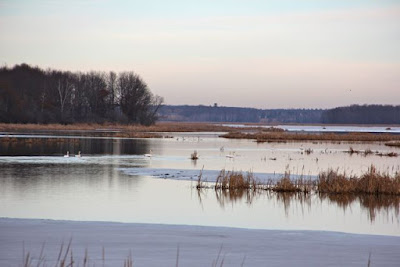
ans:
(265, 54)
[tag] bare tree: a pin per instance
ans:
(112, 86)
(64, 89)
(30, 94)
(135, 97)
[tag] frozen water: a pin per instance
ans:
(207, 175)
(157, 245)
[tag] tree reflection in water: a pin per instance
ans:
(373, 204)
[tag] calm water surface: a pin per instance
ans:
(36, 181)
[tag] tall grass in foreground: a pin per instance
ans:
(66, 258)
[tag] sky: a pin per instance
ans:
(246, 53)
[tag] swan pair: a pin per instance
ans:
(77, 156)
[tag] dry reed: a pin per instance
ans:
(290, 136)
(371, 182)
(194, 156)
(66, 258)
(368, 151)
(331, 181)
(393, 144)
(232, 180)
(158, 127)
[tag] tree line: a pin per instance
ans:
(354, 114)
(235, 114)
(33, 95)
(362, 114)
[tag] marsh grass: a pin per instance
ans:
(286, 184)
(330, 181)
(231, 180)
(375, 191)
(200, 184)
(393, 144)
(237, 181)
(194, 155)
(371, 182)
(308, 151)
(283, 136)
(389, 154)
(368, 151)
(107, 128)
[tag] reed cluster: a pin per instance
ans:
(194, 155)
(286, 184)
(368, 151)
(394, 144)
(237, 180)
(231, 180)
(331, 182)
(371, 182)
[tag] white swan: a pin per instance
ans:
(79, 155)
(230, 155)
(148, 155)
(67, 156)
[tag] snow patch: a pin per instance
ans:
(157, 245)
(207, 175)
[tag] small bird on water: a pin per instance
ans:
(148, 155)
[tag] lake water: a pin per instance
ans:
(113, 181)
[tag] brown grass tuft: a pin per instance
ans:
(394, 144)
(368, 151)
(194, 156)
(372, 182)
(232, 180)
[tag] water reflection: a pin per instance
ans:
(374, 205)
(231, 196)
(175, 153)
(59, 146)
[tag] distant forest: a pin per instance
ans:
(365, 114)
(233, 114)
(355, 114)
(32, 95)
